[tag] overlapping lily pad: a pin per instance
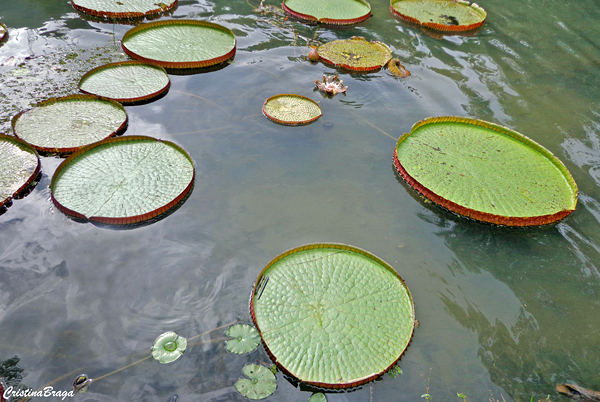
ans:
(180, 44)
(123, 181)
(123, 9)
(335, 12)
(291, 110)
(261, 382)
(485, 171)
(440, 15)
(19, 167)
(63, 125)
(332, 316)
(127, 82)
(356, 54)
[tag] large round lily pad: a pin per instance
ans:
(123, 180)
(441, 15)
(180, 44)
(331, 315)
(63, 125)
(119, 9)
(335, 12)
(19, 166)
(291, 110)
(356, 54)
(485, 171)
(127, 82)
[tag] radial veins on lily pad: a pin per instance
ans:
(356, 54)
(333, 12)
(245, 339)
(121, 9)
(261, 382)
(168, 347)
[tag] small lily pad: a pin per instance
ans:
(246, 339)
(440, 15)
(334, 12)
(317, 397)
(356, 54)
(121, 9)
(261, 382)
(19, 166)
(291, 110)
(168, 347)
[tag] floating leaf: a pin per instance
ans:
(317, 397)
(81, 382)
(356, 54)
(118, 9)
(331, 315)
(123, 180)
(246, 339)
(180, 44)
(485, 171)
(291, 110)
(63, 125)
(441, 15)
(261, 382)
(3, 31)
(127, 82)
(168, 347)
(335, 12)
(19, 167)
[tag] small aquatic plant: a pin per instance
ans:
(331, 85)
(81, 382)
(246, 339)
(395, 67)
(261, 382)
(168, 347)
(318, 397)
(291, 109)
(356, 54)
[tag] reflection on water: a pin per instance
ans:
(503, 313)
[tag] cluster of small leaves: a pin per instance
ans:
(10, 372)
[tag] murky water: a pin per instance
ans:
(503, 313)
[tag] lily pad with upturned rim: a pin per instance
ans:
(246, 339)
(180, 44)
(291, 110)
(127, 82)
(168, 347)
(485, 171)
(261, 382)
(123, 180)
(356, 54)
(334, 12)
(19, 167)
(440, 15)
(63, 125)
(332, 316)
(122, 9)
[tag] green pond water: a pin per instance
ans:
(504, 314)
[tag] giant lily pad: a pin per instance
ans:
(123, 180)
(127, 82)
(19, 167)
(485, 171)
(63, 125)
(261, 382)
(180, 44)
(119, 9)
(331, 315)
(337, 12)
(356, 54)
(291, 110)
(441, 15)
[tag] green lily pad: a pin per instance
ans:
(63, 125)
(119, 9)
(441, 15)
(332, 316)
(246, 339)
(19, 167)
(127, 82)
(485, 171)
(122, 181)
(335, 12)
(356, 54)
(261, 382)
(180, 44)
(168, 347)
(291, 110)
(317, 397)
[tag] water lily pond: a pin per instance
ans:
(504, 314)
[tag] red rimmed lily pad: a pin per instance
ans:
(180, 44)
(63, 125)
(291, 110)
(485, 171)
(332, 316)
(440, 15)
(127, 82)
(123, 181)
(333, 12)
(356, 54)
(123, 9)
(19, 167)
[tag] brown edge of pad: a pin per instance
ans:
(327, 21)
(288, 123)
(19, 142)
(125, 15)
